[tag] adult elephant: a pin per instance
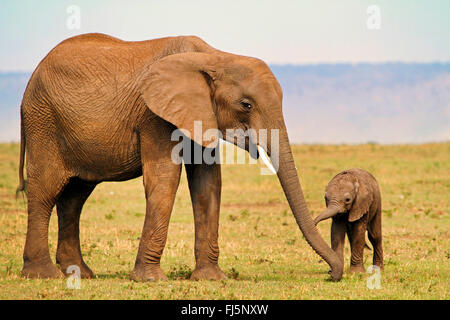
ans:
(101, 109)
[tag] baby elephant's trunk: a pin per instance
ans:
(328, 213)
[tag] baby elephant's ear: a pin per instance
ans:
(361, 203)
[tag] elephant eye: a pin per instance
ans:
(246, 105)
(347, 200)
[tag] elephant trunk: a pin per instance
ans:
(287, 174)
(328, 213)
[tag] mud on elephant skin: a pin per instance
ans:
(101, 109)
(353, 201)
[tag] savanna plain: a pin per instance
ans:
(262, 252)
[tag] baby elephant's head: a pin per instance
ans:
(345, 194)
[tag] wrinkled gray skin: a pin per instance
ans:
(353, 201)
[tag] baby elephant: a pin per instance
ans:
(353, 200)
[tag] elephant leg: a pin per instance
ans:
(357, 232)
(69, 206)
(161, 178)
(338, 228)
(205, 187)
(376, 238)
(42, 194)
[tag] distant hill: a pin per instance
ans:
(385, 103)
(12, 86)
(330, 103)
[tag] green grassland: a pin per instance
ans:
(262, 249)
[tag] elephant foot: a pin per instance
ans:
(41, 271)
(209, 272)
(148, 273)
(85, 271)
(357, 269)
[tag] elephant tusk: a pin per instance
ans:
(265, 159)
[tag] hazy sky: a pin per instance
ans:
(279, 31)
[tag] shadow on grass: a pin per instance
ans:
(184, 272)
(116, 275)
(181, 272)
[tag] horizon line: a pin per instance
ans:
(294, 64)
(374, 143)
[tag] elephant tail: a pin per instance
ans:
(22, 181)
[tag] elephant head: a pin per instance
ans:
(226, 91)
(346, 194)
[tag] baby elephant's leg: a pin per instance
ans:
(357, 232)
(375, 237)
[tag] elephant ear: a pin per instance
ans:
(361, 203)
(177, 89)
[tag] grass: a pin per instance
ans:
(262, 250)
